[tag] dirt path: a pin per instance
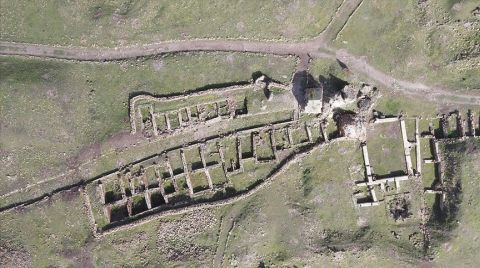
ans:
(338, 21)
(228, 223)
(316, 48)
(104, 54)
(361, 66)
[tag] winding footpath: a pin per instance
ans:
(306, 50)
(337, 23)
(316, 48)
(106, 54)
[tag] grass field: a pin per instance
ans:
(430, 42)
(326, 67)
(47, 234)
(385, 148)
(119, 22)
(460, 245)
(51, 111)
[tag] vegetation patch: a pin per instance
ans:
(199, 181)
(433, 42)
(93, 23)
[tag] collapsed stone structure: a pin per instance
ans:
(362, 94)
(374, 180)
(263, 83)
(399, 207)
(438, 188)
(471, 124)
(160, 183)
(452, 127)
(152, 116)
(145, 118)
(344, 97)
(202, 170)
(351, 125)
(143, 189)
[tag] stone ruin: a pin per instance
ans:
(334, 98)
(149, 116)
(452, 127)
(373, 180)
(151, 123)
(351, 125)
(460, 128)
(263, 83)
(361, 94)
(160, 183)
(200, 171)
(313, 100)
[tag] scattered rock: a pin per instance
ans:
(351, 125)
(399, 208)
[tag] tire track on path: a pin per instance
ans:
(340, 19)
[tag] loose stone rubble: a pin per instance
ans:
(351, 125)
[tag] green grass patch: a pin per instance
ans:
(385, 149)
(48, 232)
(119, 23)
(199, 181)
(218, 176)
(424, 43)
(230, 153)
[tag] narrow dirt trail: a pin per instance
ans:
(315, 48)
(106, 54)
(228, 223)
(361, 66)
(338, 21)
